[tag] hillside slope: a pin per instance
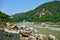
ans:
(49, 11)
(4, 17)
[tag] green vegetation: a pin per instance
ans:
(55, 26)
(4, 17)
(51, 12)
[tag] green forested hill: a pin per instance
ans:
(49, 11)
(3, 17)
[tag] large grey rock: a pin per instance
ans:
(7, 36)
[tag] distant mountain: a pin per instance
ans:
(49, 11)
(4, 17)
(17, 14)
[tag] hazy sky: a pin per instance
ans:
(11, 7)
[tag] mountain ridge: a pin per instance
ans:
(49, 11)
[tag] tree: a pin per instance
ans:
(56, 0)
